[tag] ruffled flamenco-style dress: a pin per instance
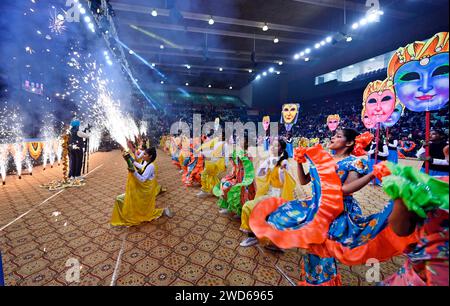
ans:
(214, 166)
(194, 165)
(268, 185)
(427, 260)
(138, 203)
(330, 226)
(238, 187)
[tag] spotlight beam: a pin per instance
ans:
(141, 59)
(154, 36)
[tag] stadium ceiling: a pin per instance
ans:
(182, 42)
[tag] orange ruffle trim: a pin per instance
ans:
(316, 231)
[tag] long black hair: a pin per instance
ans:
(283, 154)
(350, 135)
(152, 153)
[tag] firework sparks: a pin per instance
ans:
(143, 128)
(57, 23)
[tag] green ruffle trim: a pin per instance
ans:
(233, 202)
(419, 191)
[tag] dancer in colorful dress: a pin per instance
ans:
(213, 151)
(421, 208)
(238, 187)
(137, 205)
(194, 165)
(330, 225)
(272, 180)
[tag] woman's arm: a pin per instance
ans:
(148, 174)
(138, 165)
(402, 221)
(355, 182)
(303, 178)
(385, 151)
(283, 169)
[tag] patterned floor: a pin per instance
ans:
(40, 238)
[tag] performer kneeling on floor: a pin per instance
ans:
(137, 205)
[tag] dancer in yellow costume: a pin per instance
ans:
(137, 205)
(214, 165)
(272, 180)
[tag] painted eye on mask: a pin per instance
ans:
(443, 70)
(411, 76)
(372, 101)
(387, 98)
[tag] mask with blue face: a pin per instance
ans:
(423, 85)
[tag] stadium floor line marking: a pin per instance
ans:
(42, 203)
(119, 259)
(26, 213)
(278, 268)
(93, 170)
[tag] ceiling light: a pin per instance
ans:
(308, 51)
(276, 40)
(307, 59)
(302, 53)
(363, 21)
(153, 64)
(349, 39)
(271, 70)
(329, 39)
(355, 26)
(211, 21)
(381, 13)
(323, 43)
(209, 86)
(231, 87)
(278, 72)
(280, 63)
(161, 47)
(154, 13)
(82, 10)
(162, 82)
(264, 73)
(220, 69)
(258, 77)
(131, 52)
(317, 46)
(187, 84)
(265, 28)
(188, 66)
(297, 56)
(250, 71)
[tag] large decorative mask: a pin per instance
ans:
(289, 115)
(368, 123)
(420, 74)
(333, 122)
(266, 123)
(379, 100)
(395, 117)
